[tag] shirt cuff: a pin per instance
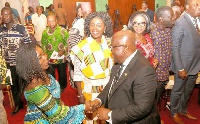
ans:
(110, 119)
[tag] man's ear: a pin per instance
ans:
(161, 19)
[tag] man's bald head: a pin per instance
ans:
(123, 45)
(52, 21)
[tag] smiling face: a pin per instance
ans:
(97, 28)
(139, 24)
(42, 56)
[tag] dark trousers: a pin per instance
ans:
(16, 87)
(159, 90)
(62, 76)
(181, 92)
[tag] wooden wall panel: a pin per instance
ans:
(70, 7)
(125, 8)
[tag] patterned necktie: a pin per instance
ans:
(196, 25)
(115, 81)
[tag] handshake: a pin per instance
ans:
(93, 108)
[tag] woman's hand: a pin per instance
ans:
(81, 99)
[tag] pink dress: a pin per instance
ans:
(146, 49)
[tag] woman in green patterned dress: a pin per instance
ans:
(42, 91)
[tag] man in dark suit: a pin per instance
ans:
(149, 12)
(186, 59)
(129, 96)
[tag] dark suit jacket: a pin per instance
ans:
(185, 46)
(150, 13)
(133, 98)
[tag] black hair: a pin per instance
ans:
(27, 64)
(143, 14)
(105, 18)
(161, 10)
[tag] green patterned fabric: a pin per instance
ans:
(55, 41)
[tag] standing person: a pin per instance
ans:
(186, 59)
(54, 43)
(162, 40)
(129, 96)
(3, 115)
(79, 14)
(15, 13)
(79, 24)
(42, 91)
(149, 12)
(28, 17)
(39, 21)
(91, 57)
(139, 23)
(61, 16)
(11, 36)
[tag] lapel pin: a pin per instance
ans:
(125, 74)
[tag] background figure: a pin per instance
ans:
(91, 57)
(54, 43)
(178, 3)
(28, 17)
(51, 10)
(28, 21)
(177, 12)
(79, 13)
(12, 35)
(42, 91)
(3, 69)
(161, 37)
(186, 59)
(15, 13)
(79, 24)
(61, 16)
(39, 21)
(149, 12)
(139, 23)
(129, 96)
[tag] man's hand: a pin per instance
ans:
(102, 114)
(60, 53)
(95, 104)
(182, 74)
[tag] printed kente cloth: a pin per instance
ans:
(94, 57)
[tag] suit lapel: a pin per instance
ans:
(126, 72)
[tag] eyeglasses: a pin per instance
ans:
(112, 47)
(139, 24)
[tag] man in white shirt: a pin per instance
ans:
(39, 21)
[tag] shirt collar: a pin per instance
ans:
(126, 62)
(14, 25)
(191, 18)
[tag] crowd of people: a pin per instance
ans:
(120, 77)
